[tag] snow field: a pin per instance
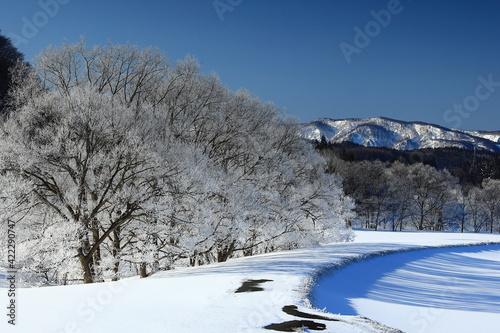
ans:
(434, 290)
(203, 299)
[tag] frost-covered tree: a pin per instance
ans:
(490, 201)
(430, 190)
(125, 165)
(88, 161)
(401, 196)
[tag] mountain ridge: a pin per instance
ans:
(398, 134)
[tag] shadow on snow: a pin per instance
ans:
(461, 278)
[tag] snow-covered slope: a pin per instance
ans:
(396, 134)
(430, 291)
(203, 299)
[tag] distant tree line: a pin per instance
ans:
(429, 189)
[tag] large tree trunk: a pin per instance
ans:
(116, 252)
(226, 252)
(422, 219)
(87, 266)
(143, 270)
(97, 253)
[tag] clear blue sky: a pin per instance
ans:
(428, 58)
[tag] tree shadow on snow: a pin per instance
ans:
(457, 278)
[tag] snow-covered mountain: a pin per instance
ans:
(396, 134)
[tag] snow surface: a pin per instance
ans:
(435, 290)
(202, 299)
(396, 134)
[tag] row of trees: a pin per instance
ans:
(113, 163)
(470, 166)
(399, 196)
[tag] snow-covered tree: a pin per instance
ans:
(125, 165)
(490, 201)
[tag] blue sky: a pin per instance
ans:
(421, 60)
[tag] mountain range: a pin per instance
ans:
(397, 134)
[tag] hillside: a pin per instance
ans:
(203, 298)
(400, 135)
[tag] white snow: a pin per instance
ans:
(396, 134)
(437, 290)
(202, 299)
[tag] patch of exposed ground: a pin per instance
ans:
(251, 286)
(293, 325)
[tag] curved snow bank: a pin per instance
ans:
(203, 299)
(445, 289)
